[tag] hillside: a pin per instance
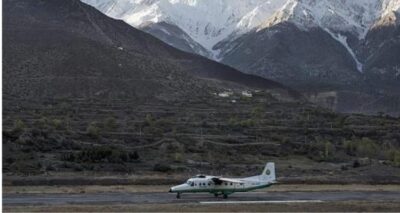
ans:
(84, 93)
(57, 49)
(282, 40)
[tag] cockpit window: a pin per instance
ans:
(190, 183)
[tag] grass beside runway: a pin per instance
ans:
(346, 206)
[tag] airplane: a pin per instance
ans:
(226, 186)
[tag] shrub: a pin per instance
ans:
(149, 120)
(396, 159)
(367, 148)
(364, 147)
(19, 127)
(93, 130)
(232, 122)
(329, 150)
(134, 155)
(321, 150)
(350, 147)
(42, 123)
(110, 124)
(247, 123)
(100, 154)
(58, 124)
(356, 164)
(257, 112)
(161, 167)
(178, 158)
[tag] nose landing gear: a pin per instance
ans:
(178, 196)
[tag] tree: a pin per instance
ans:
(134, 155)
(396, 159)
(367, 148)
(258, 112)
(19, 127)
(93, 130)
(110, 124)
(58, 124)
(329, 150)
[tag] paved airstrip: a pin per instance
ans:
(203, 199)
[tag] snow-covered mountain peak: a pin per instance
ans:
(209, 22)
(354, 17)
(206, 21)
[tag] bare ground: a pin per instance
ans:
(165, 188)
(347, 206)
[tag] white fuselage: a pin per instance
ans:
(225, 186)
(206, 184)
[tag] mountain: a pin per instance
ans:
(85, 94)
(175, 37)
(216, 28)
(315, 46)
(75, 80)
(348, 23)
(206, 21)
(348, 48)
(67, 49)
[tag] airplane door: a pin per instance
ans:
(239, 186)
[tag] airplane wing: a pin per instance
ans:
(220, 180)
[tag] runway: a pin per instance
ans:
(203, 199)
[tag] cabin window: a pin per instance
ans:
(209, 184)
(204, 184)
(231, 184)
(226, 184)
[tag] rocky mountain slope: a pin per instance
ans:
(315, 46)
(61, 49)
(206, 21)
(209, 22)
(354, 53)
(348, 23)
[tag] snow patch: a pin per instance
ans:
(165, 31)
(343, 40)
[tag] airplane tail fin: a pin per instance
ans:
(269, 172)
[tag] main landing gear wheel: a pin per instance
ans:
(216, 195)
(225, 196)
(178, 196)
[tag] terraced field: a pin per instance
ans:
(198, 134)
